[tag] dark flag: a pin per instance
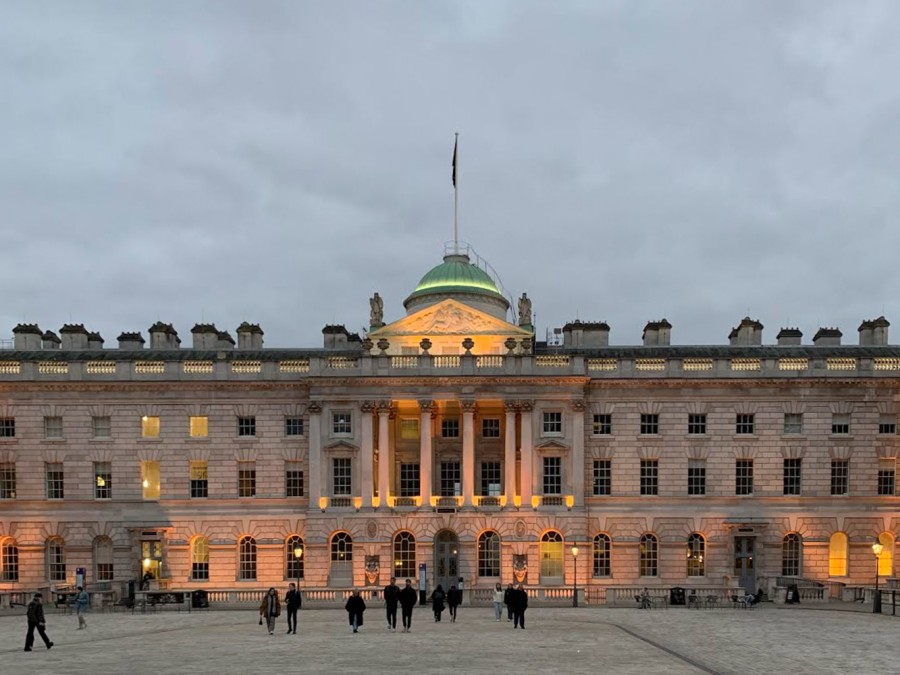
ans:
(454, 161)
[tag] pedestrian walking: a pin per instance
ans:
(520, 604)
(437, 602)
(507, 600)
(81, 603)
(391, 598)
(36, 620)
(355, 607)
(498, 601)
(269, 609)
(408, 600)
(293, 602)
(454, 599)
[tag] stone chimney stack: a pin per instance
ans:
(250, 336)
(224, 340)
(95, 341)
(827, 337)
(131, 341)
(74, 336)
(585, 335)
(874, 332)
(657, 333)
(748, 333)
(336, 337)
(164, 336)
(27, 337)
(789, 337)
(49, 340)
(206, 336)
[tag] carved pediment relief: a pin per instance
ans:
(449, 317)
(341, 445)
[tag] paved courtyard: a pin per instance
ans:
(587, 640)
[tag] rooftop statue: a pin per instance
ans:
(524, 310)
(376, 310)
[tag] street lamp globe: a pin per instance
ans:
(298, 552)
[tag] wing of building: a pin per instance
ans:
(448, 438)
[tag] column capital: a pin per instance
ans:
(427, 406)
(468, 405)
(579, 404)
(383, 407)
(314, 407)
(526, 405)
(511, 406)
(367, 406)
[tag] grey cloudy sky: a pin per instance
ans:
(278, 162)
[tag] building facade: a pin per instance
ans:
(452, 438)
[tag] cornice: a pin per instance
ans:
(167, 385)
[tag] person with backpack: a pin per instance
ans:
(36, 621)
(437, 602)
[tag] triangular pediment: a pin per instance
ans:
(551, 445)
(341, 445)
(449, 317)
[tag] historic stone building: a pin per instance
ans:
(451, 438)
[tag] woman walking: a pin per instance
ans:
(454, 598)
(437, 602)
(82, 602)
(508, 601)
(355, 607)
(269, 609)
(498, 601)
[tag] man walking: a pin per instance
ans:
(391, 598)
(519, 605)
(293, 602)
(408, 600)
(82, 602)
(36, 620)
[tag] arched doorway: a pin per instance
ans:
(446, 559)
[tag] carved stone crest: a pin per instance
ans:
(372, 568)
(520, 568)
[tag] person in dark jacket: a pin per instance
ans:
(270, 609)
(391, 598)
(355, 607)
(519, 605)
(36, 620)
(293, 602)
(437, 602)
(454, 598)
(507, 600)
(408, 599)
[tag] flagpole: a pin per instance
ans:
(455, 196)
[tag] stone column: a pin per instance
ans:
(527, 408)
(426, 452)
(468, 448)
(509, 454)
(578, 406)
(384, 454)
(367, 453)
(315, 453)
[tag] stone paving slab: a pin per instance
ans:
(584, 640)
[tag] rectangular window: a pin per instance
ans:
(102, 480)
(490, 427)
(149, 426)
(342, 476)
(246, 479)
(101, 427)
(696, 477)
(697, 424)
(56, 561)
(150, 480)
(649, 424)
(792, 476)
(450, 428)
(744, 424)
(246, 426)
(7, 480)
(840, 424)
(53, 427)
(886, 477)
(342, 423)
(552, 475)
(293, 479)
(553, 423)
(793, 423)
(649, 476)
(887, 424)
(293, 426)
(199, 480)
(55, 480)
(409, 429)
(840, 476)
(199, 426)
(602, 477)
(409, 480)
(450, 479)
(490, 479)
(602, 425)
(743, 477)
(7, 427)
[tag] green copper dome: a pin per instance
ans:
(455, 276)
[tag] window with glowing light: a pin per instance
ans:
(199, 426)
(696, 554)
(102, 480)
(552, 546)
(200, 559)
(341, 547)
(150, 426)
(886, 559)
(837, 555)
(150, 480)
(293, 566)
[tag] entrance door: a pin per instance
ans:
(446, 559)
(744, 569)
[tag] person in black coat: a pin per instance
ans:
(355, 607)
(36, 620)
(519, 605)
(507, 600)
(437, 602)
(408, 599)
(391, 598)
(293, 602)
(454, 598)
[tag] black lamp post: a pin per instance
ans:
(877, 548)
(575, 575)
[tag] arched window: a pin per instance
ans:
(649, 556)
(886, 559)
(200, 559)
(341, 547)
(247, 559)
(790, 556)
(56, 559)
(9, 561)
(293, 567)
(837, 555)
(696, 556)
(552, 555)
(103, 559)
(489, 554)
(602, 548)
(404, 555)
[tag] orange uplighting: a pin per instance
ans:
(323, 503)
(376, 502)
(517, 501)
(570, 501)
(535, 502)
